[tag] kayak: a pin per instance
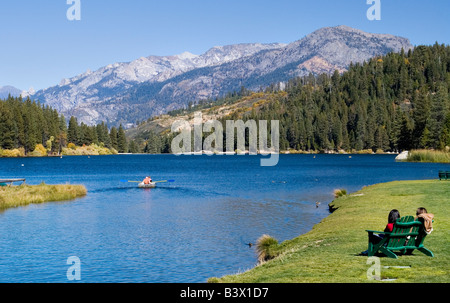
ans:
(150, 185)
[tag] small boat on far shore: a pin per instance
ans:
(9, 182)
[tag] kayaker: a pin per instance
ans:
(148, 180)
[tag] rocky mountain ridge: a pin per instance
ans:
(7, 90)
(127, 92)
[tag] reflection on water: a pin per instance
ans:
(197, 227)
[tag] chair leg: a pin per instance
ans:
(388, 253)
(426, 251)
(374, 248)
(370, 250)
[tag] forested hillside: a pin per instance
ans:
(390, 103)
(395, 102)
(28, 128)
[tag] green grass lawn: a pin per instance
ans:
(16, 196)
(329, 253)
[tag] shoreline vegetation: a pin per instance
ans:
(89, 150)
(431, 156)
(95, 150)
(70, 150)
(22, 195)
(30, 129)
(329, 253)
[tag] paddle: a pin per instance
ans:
(126, 181)
(163, 181)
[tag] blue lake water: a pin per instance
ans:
(186, 231)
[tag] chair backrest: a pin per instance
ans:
(403, 227)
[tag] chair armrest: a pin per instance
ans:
(378, 232)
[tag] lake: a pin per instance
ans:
(186, 231)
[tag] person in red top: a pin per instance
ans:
(394, 215)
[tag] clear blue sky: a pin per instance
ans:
(40, 46)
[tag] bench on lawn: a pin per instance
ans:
(406, 236)
(444, 175)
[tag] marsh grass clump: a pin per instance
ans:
(16, 196)
(339, 193)
(433, 156)
(266, 248)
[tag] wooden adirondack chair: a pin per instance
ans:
(407, 235)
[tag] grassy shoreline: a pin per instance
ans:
(16, 196)
(329, 252)
(429, 156)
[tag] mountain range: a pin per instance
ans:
(7, 90)
(123, 93)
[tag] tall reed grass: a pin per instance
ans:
(339, 193)
(16, 196)
(433, 156)
(265, 248)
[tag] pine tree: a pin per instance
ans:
(438, 114)
(30, 125)
(446, 133)
(6, 128)
(421, 103)
(381, 139)
(405, 134)
(113, 137)
(122, 146)
(72, 131)
(133, 147)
